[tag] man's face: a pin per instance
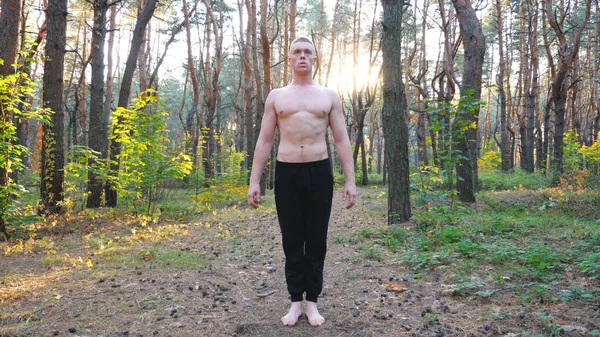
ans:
(302, 57)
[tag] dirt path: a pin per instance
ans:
(241, 290)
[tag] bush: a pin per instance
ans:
(14, 91)
(146, 157)
(490, 161)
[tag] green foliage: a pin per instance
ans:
(578, 156)
(447, 119)
(528, 246)
(572, 158)
(541, 258)
(228, 186)
(14, 91)
(373, 253)
(82, 160)
(500, 181)
(591, 153)
(146, 159)
(590, 262)
(489, 161)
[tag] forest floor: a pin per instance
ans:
(222, 274)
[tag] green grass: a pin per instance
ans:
(373, 253)
(339, 239)
(498, 181)
(525, 242)
(181, 259)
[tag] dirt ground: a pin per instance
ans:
(241, 291)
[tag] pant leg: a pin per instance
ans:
(291, 222)
(317, 223)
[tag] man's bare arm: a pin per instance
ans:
(342, 144)
(262, 151)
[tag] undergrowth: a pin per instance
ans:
(527, 242)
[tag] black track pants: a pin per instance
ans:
(303, 193)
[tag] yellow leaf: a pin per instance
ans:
(395, 287)
(89, 263)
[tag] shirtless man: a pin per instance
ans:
(303, 110)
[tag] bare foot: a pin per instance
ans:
(314, 318)
(292, 316)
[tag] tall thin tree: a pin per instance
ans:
(474, 51)
(394, 112)
(52, 175)
(568, 48)
(98, 130)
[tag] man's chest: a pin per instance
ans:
(315, 104)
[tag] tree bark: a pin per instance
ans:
(532, 91)
(10, 14)
(211, 92)
(293, 14)
(247, 104)
(9, 39)
(567, 53)
(504, 147)
(474, 52)
(394, 111)
(52, 175)
(190, 126)
(98, 131)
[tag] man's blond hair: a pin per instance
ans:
(303, 39)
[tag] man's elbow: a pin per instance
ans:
(341, 142)
(264, 144)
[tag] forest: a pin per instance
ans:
(128, 132)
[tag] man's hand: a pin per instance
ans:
(254, 195)
(350, 195)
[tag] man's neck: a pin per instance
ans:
(302, 80)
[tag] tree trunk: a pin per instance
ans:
(125, 90)
(423, 94)
(474, 52)
(293, 14)
(532, 91)
(98, 131)
(568, 48)
(10, 15)
(247, 104)
(144, 53)
(108, 101)
(265, 45)
(265, 48)
(504, 147)
(394, 111)
(260, 96)
(332, 40)
(445, 94)
(524, 85)
(190, 126)
(52, 175)
(595, 128)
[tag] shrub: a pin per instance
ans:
(146, 159)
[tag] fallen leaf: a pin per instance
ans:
(395, 287)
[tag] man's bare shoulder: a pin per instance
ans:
(331, 93)
(275, 92)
